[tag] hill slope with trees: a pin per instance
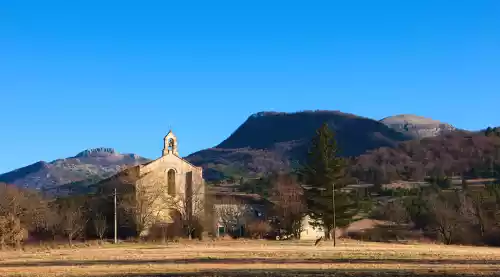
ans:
(471, 155)
(85, 168)
(268, 141)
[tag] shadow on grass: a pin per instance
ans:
(303, 273)
(270, 261)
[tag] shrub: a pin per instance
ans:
(258, 229)
(158, 232)
(386, 233)
(11, 231)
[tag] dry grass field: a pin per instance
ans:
(254, 258)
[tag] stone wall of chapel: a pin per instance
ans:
(154, 186)
(154, 176)
(159, 168)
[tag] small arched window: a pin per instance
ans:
(171, 182)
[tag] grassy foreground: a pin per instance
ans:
(255, 258)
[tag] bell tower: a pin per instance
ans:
(170, 144)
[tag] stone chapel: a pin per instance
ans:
(171, 185)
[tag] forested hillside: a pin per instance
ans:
(471, 155)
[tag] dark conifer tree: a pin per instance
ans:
(323, 171)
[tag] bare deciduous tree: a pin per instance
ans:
(100, 225)
(73, 220)
(289, 204)
(396, 212)
(22, 211)
(231, 213)
(147, 202)
(447, 220)
(472, 209)
(11, 201)
(11, 231)
(190, 207)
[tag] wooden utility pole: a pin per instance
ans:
(334, 223)
(116, 229)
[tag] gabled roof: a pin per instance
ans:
(170, 133)
(186, 161)
(181, 158)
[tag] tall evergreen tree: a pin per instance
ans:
(323, 171)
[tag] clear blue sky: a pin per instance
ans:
(82, 74)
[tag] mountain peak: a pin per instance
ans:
(409, 118)
(417, 126)
(85, 168)
(307, 112)
(96, 152)
(271, 129)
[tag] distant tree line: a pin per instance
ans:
(461, 216)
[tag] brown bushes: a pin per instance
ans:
(11, 231)
(259, 229)
(464, 216)
(386, 233)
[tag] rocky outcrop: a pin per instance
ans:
(417, 126)
(96, 151)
